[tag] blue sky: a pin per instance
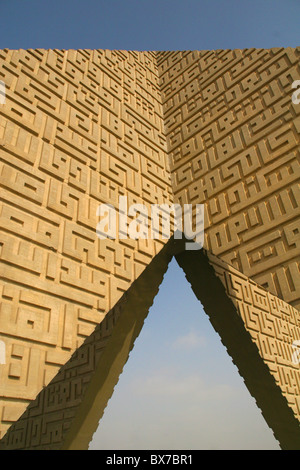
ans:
(179, 389)
(149, 25)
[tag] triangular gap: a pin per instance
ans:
(179, 388)
(214, 282)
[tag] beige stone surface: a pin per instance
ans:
(78, 129)
(66, 413)
(233, 140)
(82, 127)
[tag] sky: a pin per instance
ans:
(179, 388)
(149, 24)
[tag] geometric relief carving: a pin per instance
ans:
(274, 327)
(81, 128)
(259, 331)
(65, 413)
(77, 129)
(234, 146)
(253, 325)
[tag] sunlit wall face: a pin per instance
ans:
(74, 103)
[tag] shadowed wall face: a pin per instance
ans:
(82, 128)
(256, 328)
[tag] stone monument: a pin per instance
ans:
(84, 128)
